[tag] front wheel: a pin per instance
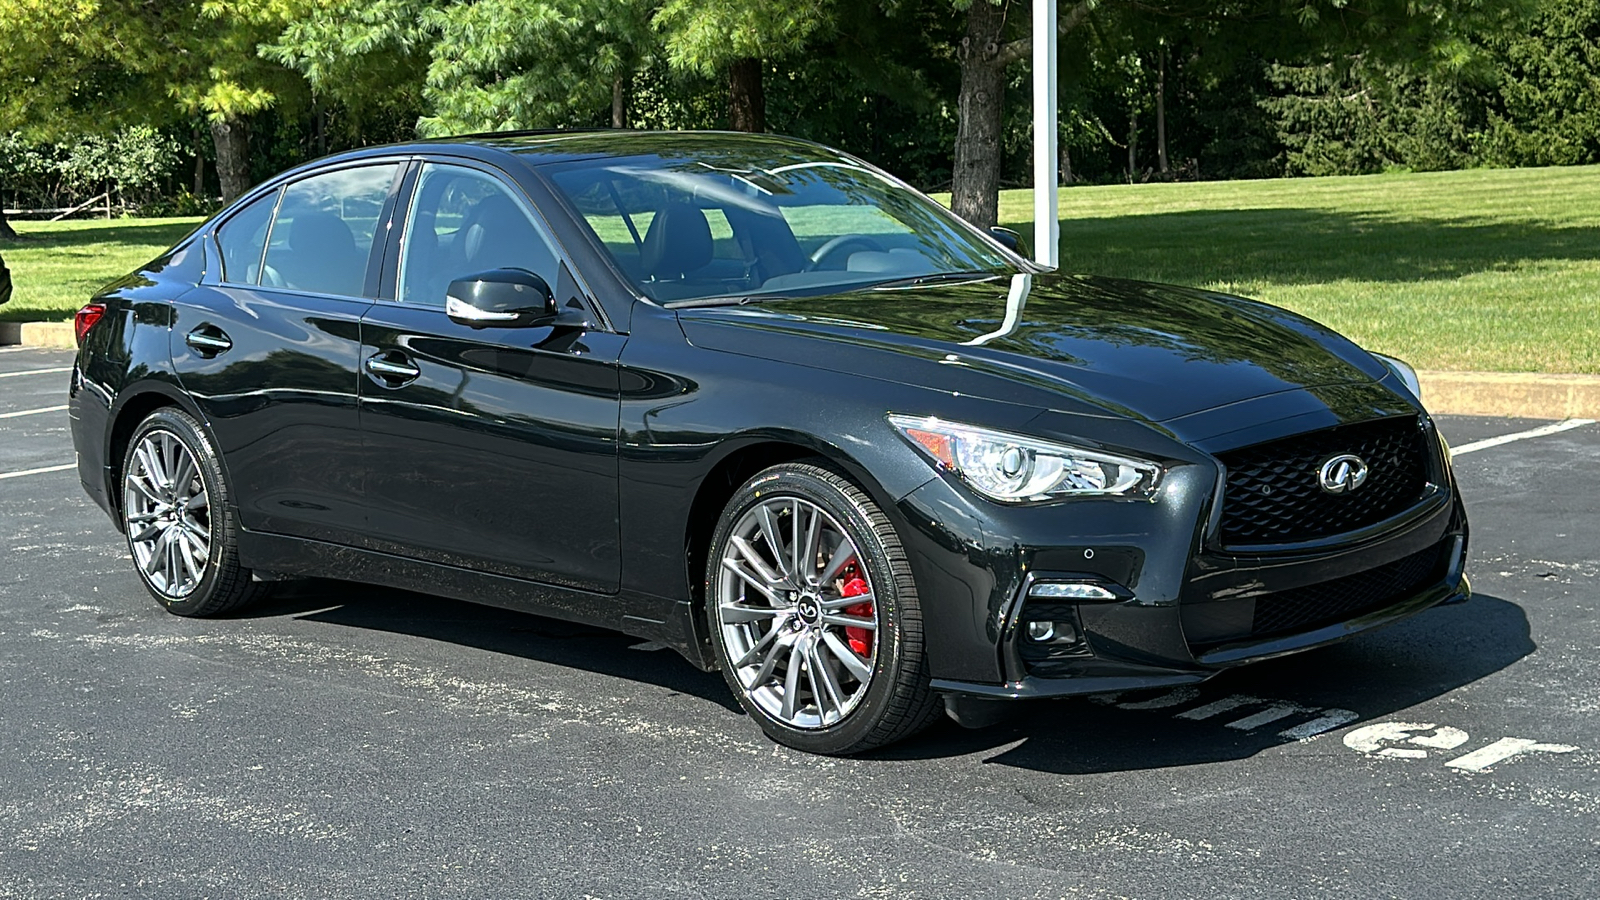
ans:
(814, 613)
(175, 513)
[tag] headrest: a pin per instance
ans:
(319, 231)
(678, 242)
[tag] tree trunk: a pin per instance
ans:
(199, 165)
(621, 88)
(1066, 165)
(6, 231)
(975, 186)
(1161, 110)
(233, 157)
(747, 105)
(1133, 142)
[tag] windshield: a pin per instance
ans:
(684, 229)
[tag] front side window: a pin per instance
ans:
(243, 237)
(463, 222)
(322, 236)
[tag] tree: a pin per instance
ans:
(1546, 109)
(1400, 32)
(741, 37)
(490, 65)
(535, 63)
(166, 59)
(878, 88)
(47, 90)
(985, 54)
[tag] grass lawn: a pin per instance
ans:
(1489, 270)
(58, 265)
(1486, 270)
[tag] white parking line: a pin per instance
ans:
(36, 372)
(31, 412)
(1541, 431)
(5, 475)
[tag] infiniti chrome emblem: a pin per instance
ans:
(1343, 473)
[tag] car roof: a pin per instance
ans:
(537, 148)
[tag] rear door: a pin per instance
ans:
(269, 346)
(488, 448)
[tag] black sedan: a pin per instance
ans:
(759, 401)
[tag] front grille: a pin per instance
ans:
(1311, 607)
(1274, 495)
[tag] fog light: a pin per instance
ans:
(1041, 631)
(1070, 590)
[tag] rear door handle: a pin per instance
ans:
(208, 340)
(392, 368)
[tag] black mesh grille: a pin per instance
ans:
(1304, 609)
(1274, 495)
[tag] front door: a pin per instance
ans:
(488, 448)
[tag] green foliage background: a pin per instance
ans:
(1265, 88)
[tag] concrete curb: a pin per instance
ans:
(50, 335)
(1518, 394)
(1522, 395)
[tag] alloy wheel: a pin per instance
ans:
(797, 613)
(167, 514)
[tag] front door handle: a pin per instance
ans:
(208, 340)
(392, 368)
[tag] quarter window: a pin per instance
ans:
(462, 222)
(242, 238)
(322, 236)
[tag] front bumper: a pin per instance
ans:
(1183, 608)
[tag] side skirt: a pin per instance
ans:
(653, 618)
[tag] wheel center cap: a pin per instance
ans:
(809, 610)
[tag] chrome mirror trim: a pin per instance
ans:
(456, 308)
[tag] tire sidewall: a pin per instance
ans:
(888, 597)
(188, 432)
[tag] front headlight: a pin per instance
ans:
(1013, 469)
(1403, 371)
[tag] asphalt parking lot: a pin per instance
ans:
(344, 741)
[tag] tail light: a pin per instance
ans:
(85, 319)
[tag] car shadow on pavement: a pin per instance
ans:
(532, 637)
(1365, 678)
(1243, 712)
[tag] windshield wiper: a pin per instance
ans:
(740, 300)
(828, 290)
(934, 278)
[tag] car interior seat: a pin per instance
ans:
(677, 245)
(322, 256)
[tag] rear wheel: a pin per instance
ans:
(176, 517)
(814, 614)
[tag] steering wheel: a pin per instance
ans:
(858, 241)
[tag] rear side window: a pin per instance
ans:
(243, 237)
(322, 236)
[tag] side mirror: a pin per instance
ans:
(1012, 241)
(506, 298)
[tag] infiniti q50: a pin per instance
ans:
(762, 402)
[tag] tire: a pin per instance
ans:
(176, 515)
(789, 636)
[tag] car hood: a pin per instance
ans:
(1075, 344)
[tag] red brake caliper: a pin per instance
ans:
(854, 586)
